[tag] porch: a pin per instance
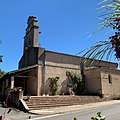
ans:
(25, 78)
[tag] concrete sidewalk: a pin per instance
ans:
(63, 109)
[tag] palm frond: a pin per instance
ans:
(103, 1)
(101, 49)
(104, 49)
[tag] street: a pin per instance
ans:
(111, 111)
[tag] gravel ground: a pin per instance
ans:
(15, 114)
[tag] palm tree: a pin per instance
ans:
(109, 19)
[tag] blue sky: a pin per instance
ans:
(65, 26)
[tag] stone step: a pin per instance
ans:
(33, 107)
(63, 98)
(57, 102)
(40, 102)
(44, 105)
(66, 103)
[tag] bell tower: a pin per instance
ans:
(32, 33)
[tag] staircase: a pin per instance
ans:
(45, 102)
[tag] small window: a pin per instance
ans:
(29, 44)
(109, 79)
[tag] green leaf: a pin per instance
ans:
(118, 1)
(1, 58)
(103, 1)
(74, 119)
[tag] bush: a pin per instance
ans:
(78, 82)
(2, 73)
(53, 85)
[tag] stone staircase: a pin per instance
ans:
(45, 102)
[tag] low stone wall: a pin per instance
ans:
(15, 95)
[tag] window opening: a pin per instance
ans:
(109, 79)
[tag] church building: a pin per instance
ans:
(38, 64)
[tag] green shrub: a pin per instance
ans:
(78, 82)
(53, 85)
(2, 73)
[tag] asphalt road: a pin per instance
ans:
(112, 112)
